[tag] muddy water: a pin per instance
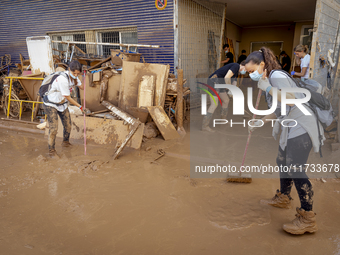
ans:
(92, 205)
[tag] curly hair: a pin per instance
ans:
(265, 55)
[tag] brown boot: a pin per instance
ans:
(305, 221)
(279, 200)
(66, 144)
(53, 154)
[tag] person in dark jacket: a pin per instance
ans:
(229, 57)
(242, 57)
(286, 62)
(225, 75)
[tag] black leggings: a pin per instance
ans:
(295, 157)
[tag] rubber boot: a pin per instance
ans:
(224, 113)
(305, 221)
(280, 200)
(206, 121)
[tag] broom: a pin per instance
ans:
(239, 177)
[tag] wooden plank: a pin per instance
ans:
(160, 92)
(100, 63)
(179, 111)
(146, 91)
(163, 122)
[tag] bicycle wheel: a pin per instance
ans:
(15, 105)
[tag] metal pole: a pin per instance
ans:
(32, 112)
(9, 97)
(109, 44)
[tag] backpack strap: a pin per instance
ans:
(318, 124)
(53, 79)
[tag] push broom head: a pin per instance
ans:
(241, 178)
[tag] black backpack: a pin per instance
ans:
(47, 83)
(317, 99)
(319, 104)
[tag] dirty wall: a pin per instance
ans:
(326, 37)
(21, 19)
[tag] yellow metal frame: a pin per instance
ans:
(21, 101)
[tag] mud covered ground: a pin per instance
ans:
(92, 205)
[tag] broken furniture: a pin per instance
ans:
(24, 64)
(171, 99)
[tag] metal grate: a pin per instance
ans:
(199, 31)
(112, 35)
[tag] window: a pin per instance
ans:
(77, 37)
(80, 38)
(107, 37)
(113, 35)
(126, 36)
(306, 37)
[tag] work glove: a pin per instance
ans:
(255, 124)
(292, 73)
(229, 93)
(85, 110)
(264, 84)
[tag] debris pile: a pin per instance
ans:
(129, 102)
(170, 106)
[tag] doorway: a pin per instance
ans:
(276, 47)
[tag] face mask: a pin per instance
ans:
(243, 72)
(73, 76)
(255, 76)
(226, 51)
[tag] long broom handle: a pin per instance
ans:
(247, 145)
(84, 114)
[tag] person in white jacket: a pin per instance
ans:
(56, 102)
(300, 51)
(296, 141)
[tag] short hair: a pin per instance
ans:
(243, 51)
(75, 65)
(243, 63)
(282, 53)
(225, 46)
